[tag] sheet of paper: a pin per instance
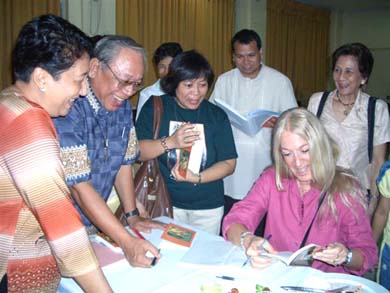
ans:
(211, 252)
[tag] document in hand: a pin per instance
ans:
(251, 122)
(190, 158)
(301, 257)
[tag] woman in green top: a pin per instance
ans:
(197, 197)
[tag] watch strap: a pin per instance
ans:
(132, 213)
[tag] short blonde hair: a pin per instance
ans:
(323, 156)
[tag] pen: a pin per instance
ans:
(155, 259)
(261, 248)
(225, 278)
(123, 131)
(139, 235)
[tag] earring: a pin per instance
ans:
(42, 89)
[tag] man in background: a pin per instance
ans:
(251, 85)
(162, 58)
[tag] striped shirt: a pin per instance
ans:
(41, 233)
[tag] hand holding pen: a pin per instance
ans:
(151, 253)
(256, 247)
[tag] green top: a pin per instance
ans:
(219, 145)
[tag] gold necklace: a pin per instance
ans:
(347, 106)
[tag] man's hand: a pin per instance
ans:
(144, 225)
(135, 250)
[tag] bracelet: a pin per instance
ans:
(199, 179)
(242, 237)
(348, 258)
(132, 213)
(163, 141)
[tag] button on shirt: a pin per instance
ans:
(95, 143)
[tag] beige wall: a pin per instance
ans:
(372, 29)
(252, 14)
(94, 17)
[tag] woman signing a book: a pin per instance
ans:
(195, 146)
(308, 200)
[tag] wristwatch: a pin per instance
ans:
(242, 237)
(132, 213)
(348, 259)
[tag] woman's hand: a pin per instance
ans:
(334, 254)
(190, 176)
(184, 136)
(256, 247)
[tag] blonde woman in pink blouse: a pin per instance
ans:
(304, 171)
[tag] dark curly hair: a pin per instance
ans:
(49, 42)
(186, 66)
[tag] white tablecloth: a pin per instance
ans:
(187, 270)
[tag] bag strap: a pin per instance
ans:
(371, 123)
(322, 104)
(158, 108)
(322, 197)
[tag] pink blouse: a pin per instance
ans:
(290, 214)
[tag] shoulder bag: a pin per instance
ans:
(149, 184)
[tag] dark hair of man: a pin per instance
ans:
(188, 65)
(170, 49)
(246, 36)
(107, 48)
(49, 42)
(362, 54)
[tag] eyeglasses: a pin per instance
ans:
(135, 84)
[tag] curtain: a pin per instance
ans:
(204, 25)
(297, 45)
(13, 15)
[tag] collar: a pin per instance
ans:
(254, 78)
(94, 102)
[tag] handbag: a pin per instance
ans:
(149, 185)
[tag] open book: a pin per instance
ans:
(251, 122)
(301, 257)
(190, 158)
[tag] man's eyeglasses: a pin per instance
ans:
(136, 84)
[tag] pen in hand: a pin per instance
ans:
(140, 236)
(261, 248)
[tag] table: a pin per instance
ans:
(186, 270)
